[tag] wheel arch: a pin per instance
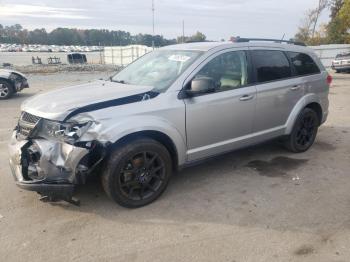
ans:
(311, 101)
(317, 108)
(158, 136)
(7, 80)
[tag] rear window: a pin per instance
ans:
(271, 65)
(303, 64)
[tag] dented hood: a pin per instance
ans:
(60, 103)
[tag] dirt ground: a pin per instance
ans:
(257, 204)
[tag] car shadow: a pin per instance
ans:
(261, 186)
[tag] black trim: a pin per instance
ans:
(251, 69)
(278, 41)
(56, 190)
(111, 103)
(291, 65)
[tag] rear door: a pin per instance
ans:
(277, 89)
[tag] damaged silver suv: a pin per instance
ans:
(171, 108)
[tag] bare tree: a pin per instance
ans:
(322, 4)
(307, 29)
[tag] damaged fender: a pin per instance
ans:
(17, 79)
(112, 131)
(44, 161)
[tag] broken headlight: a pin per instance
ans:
(66, 132)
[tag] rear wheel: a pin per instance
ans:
(6, 89)
(137, 173)
(304, 131)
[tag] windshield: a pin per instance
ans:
(158, 69)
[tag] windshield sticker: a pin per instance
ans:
(179, 58)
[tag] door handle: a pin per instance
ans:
(246, 97)
(295, 88)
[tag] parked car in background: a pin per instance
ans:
(341, 63)
(11, 82)
(169, 109)
(76, 58)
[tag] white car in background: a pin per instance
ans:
(341, 63)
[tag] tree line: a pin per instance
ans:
(336, 31)
(16, 34)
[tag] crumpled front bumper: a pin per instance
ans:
(20, 84)
(47, 167)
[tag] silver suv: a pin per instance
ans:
(171, 108)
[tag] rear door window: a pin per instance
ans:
(271, 65)
(303, 64)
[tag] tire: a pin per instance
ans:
(6, 89)
(137, 173)
(304, 131)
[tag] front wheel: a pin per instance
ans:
(304, 131)
(6, 90)
(137, 173)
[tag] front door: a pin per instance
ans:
(218, 121)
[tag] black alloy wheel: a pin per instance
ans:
(142, 175)
(136, 173)
(304, 131)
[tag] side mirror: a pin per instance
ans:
(201, 85)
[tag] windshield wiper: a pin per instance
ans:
(118, 81)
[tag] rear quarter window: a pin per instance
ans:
(270, 65)
(303, 64)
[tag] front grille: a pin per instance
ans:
(29, 118)
(27, 123)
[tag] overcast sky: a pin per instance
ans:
(216, 18)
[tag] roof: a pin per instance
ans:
(206, 46)
(199, 46)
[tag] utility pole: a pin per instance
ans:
(153, 10)
(183, 31)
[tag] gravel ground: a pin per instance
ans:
(256, 204)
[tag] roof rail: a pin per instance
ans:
(242, 40)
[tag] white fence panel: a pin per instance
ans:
(124, 55)
(327, 53)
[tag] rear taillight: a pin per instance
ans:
(329, 79)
